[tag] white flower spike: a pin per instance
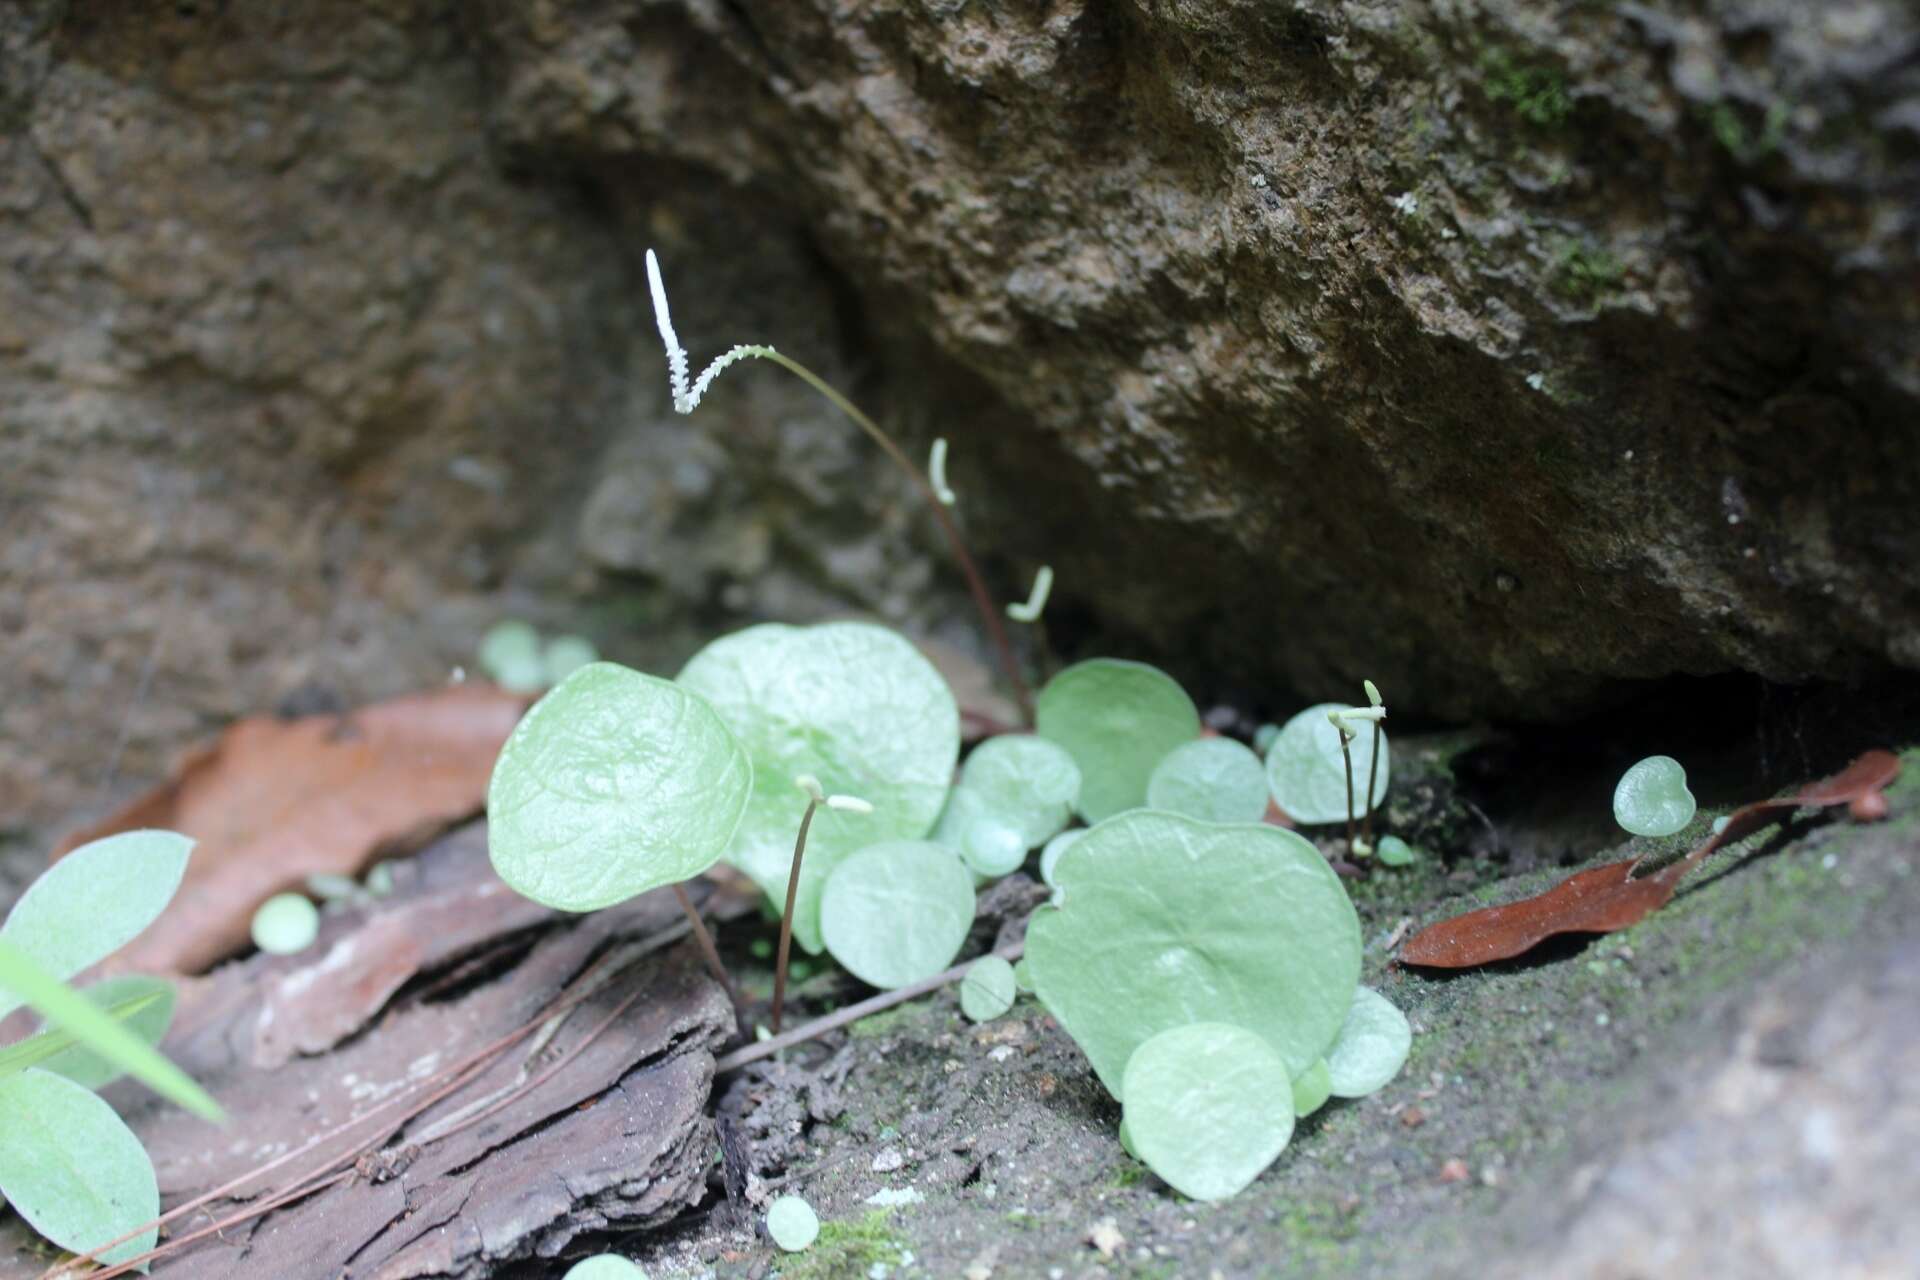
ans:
(849, 804)
(1036, 601)
(687, 398)
(937, 473)
(811, 785)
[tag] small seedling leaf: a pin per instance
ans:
(605, 1266)
(614, 783)
(1025, 781)
(1213, 779)
(1117, 719)
(1652, 798)
(897, 912)
(792, 1223)
(1311, 1089)
(852, 704)
(1207, 1107)
(1164, 920)
(72, 1168)
(510, 649)
(1395, 852)
(94, 901)
(563, 656)
(987, 990)
(1371, 1048)
(68, 1010)
(285, 924)
(1307, 775)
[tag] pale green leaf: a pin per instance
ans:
(1372, 1046)
(510, 654)
(1652, 798)
(68, 1010)
(1395, 852)
(987, 990)
(1307, 775)
(1213, 779)
(792, 1223)
(142, 1005)
(1116, 719)
(1207, 1106)
(565, 655)
(95, 900)
(72, 1168)
(856, 706)
(285, 924)
(898, 911)
(1311, 1089)
(1164, 920)
(613, 784)
(1050, 856)
(605, 1266)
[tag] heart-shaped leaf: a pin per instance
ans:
(1371, 1048)
(72, 1168)
(897, 912)
(1117, 719)
(1163, 920)
(613, 784)
(1652, 798)
(854, 705)
(94, 901)
(1308, 776)
(1213, 779)
(1207, 1107)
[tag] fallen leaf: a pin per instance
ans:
(1608, 898)
(272, 802)
(1454, 1171)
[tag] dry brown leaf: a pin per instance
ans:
(272, 802)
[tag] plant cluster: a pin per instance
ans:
(68, 1164)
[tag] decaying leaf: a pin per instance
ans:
(272, 802)
(1611, 897)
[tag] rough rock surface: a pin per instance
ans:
(1501, 351)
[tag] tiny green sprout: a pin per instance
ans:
(937, 473)
(285, 924)
(1395, 852)
(1373, 693)
(605, 1266)
(897, 912)
(1036, 601)
(1207, 1106)
(1307, 766)
(564, 655)
(987, 990)
(1347, 736)
(1652, 798)
(510, 654)
(792, 1223)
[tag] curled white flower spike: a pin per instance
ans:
(686, 398)
(849, 804)
(1338, 720)
(1373, 692)
(937, 473)
(811, 785)
(1374, 713)
(1029, 610)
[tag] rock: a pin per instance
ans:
(1505, 354)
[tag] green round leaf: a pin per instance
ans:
(1050, 856)
(285, 923)
(1371, 1048)
(1126, 1140)
(1311, 1089)
(987, 990)
(72, 1168)
(563, 656)
(613, 784)
(1116, 719)
(856, 706)
(1207, 1106)
(1164, 920)
(510, 654)
(993, 849)
(94, 901)
(1263, 738)
(605, 1266)
(1213, 779)
(792, 1223)
(1395, 852)
(1025, 782)
(154, 998)
(897, 912)
(1307, 776)
(1022, 977)
(1652, 798)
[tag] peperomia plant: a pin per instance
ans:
(68, 1164)
(1117, 720)
(1651, 798)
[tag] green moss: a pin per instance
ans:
(1130, 1173)
(846, 1248)
(1537, 94)
(1748, 146)
(884, 1023)
(1585, 272)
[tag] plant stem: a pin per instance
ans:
(711, 954)
(976, 585)
(1373, 771)
(1346, 758)
(786, 917)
